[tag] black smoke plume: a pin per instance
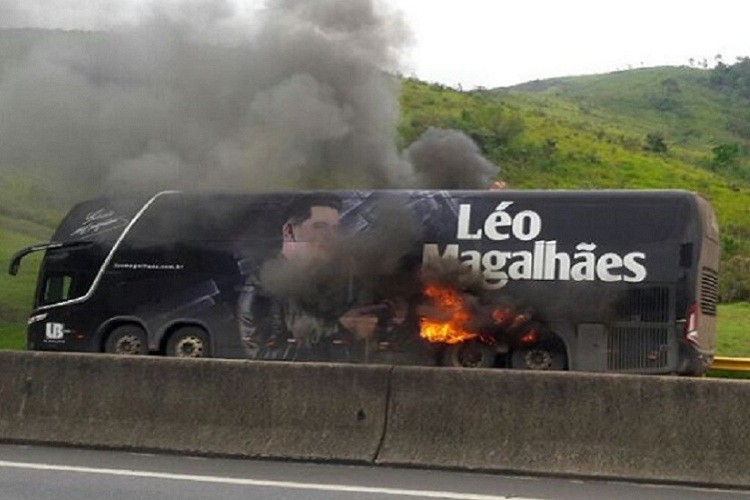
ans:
(210, 94)
(448, 159)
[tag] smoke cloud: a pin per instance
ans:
(448, 159)
(128, 96)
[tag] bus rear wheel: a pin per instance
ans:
(538, 358)
(188, 342)
(127, 339)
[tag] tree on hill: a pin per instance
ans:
(666, 98)
(726, 154)
(734, 77)
(670, 86)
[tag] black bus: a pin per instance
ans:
(583, 280)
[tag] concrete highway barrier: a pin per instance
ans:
(634, 427)
(253, 409)
(637, 427)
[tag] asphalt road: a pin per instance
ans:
(41, 473)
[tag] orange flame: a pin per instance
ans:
(503, 316)
(452, 307)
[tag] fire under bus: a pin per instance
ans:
(622, 281)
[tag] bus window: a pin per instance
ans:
(57, 288)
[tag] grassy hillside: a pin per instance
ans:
(676, 101)
(677, 105)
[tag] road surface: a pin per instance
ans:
(49, 473)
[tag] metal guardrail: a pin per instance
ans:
(731, 364)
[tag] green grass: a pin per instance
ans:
(727, 374)
(733, 336)
(12, 335)
(17, 291)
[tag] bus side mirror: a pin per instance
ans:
(15, 262)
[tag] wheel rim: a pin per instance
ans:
(538, 359)
(129, 344)
(470, 356)
(190, 347)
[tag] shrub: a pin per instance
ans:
(655, 143)
(734, 279)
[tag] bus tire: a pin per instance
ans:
(188, 342)
(470, 354)
(540, 357)
(127, 339)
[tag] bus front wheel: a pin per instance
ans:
(471, 354)
(127, 339)
(188, 342)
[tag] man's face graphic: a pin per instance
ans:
(315, 237)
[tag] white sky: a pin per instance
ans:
(494, 43)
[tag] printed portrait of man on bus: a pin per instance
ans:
(302, 302)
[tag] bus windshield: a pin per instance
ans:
(67, 272)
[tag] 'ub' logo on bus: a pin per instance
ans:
(54, 331)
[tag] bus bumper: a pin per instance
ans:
(694, 361)
(55, 336)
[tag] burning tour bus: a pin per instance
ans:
(542, 280)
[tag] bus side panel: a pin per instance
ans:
(601, 270)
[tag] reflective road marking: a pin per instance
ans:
(261, 482)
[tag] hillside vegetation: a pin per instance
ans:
(670, 127)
